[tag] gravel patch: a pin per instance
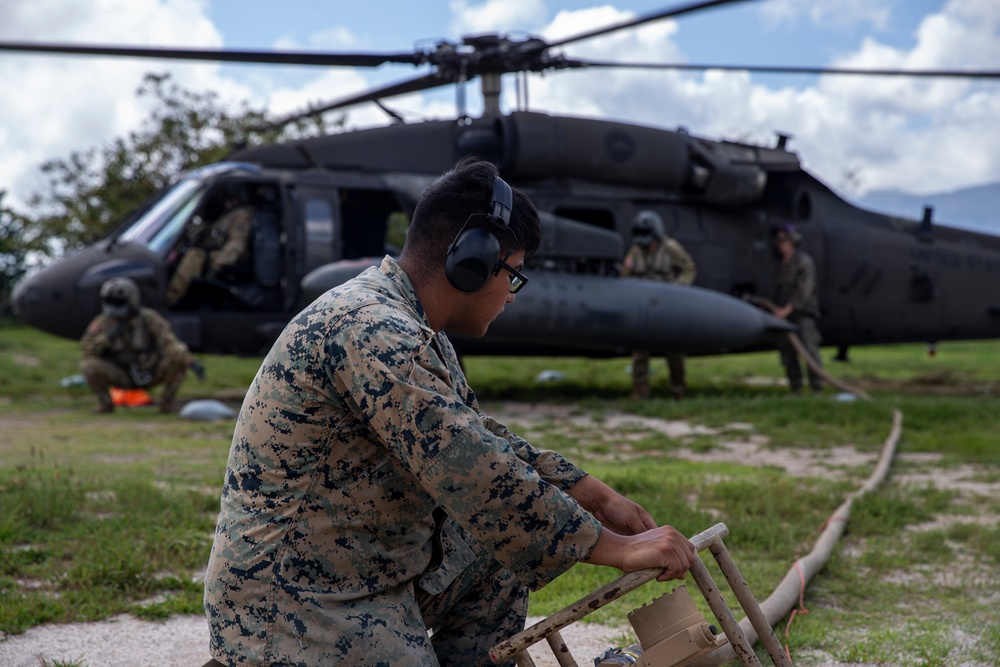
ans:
(182, 641)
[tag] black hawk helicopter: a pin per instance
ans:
(328, 207)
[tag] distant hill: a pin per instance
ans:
(975, 208)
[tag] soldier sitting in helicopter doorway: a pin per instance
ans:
(656, 256)
(210, 250)
(797, 300)
(132, 347)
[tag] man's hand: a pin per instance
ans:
(624, 516)
(783, 311)
(662, 547)
(613, 510)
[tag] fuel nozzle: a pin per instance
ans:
(615, 657)
(672, 632)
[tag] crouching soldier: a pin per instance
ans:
(132, 347)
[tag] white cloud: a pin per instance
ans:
(915, 135)
(54, 105)
(495, 16)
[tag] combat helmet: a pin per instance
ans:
(120, 297)
(646, 226)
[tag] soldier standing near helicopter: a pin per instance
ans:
(368, 500)
(132, 347)
(213, 248)
(656, 256)
(796, 300)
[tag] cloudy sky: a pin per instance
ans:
(856, 134)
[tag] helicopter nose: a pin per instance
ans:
(47, 304)
(64, 297)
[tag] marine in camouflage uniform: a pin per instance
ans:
(137, 351)
(213, 251)
(656, 256)
(371, 514)
(368, 415)
(796, 291)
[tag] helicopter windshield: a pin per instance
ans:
(159, 226)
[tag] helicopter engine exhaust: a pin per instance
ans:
(537, 145)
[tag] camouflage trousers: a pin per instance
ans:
(102, 374)
(485, 605)
(191, 265)
(640, 374)
(809, 335)
(414, 624)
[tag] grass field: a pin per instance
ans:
(103, 514)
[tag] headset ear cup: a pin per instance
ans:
(471, 259)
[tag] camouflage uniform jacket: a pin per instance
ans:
(668, 261)
(140, 341)
(229, 238)
(358, 425)
(796, 285)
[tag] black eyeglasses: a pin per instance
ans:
(517, 279)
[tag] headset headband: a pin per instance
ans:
(503, 201)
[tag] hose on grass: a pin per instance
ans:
(791, 590)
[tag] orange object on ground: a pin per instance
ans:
(130, 397)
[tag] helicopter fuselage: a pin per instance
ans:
(327, 208)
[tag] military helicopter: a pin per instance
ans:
(328, 207)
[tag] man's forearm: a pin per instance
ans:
(590, 492)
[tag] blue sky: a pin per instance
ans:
(719, 35)
(855, 134)
(750, 32)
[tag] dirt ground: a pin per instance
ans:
(182, 640)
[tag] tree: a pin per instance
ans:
(94, 189)
(15, 245)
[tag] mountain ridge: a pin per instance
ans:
(976, 208)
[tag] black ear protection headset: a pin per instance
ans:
(474, 255)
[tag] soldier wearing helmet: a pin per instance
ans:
(797, 301)
(131, 347)
(656, 256)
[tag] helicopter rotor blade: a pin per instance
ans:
(459, 62)
(783, 69)
(222, 55)
(646, 18)
(414, 85)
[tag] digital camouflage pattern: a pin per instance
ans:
(796, 285)
(138, 352)
(665, 260)
(367, 499)
(211, 251)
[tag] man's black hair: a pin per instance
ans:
(446, 205)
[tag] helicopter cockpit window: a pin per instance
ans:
(162, 223)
